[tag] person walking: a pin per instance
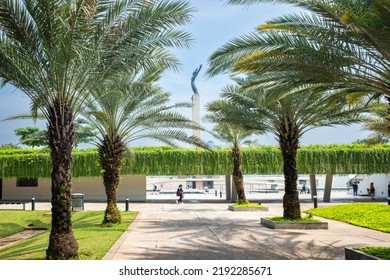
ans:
(180, 194)
(155, 189)
(355, 188)
(372, 191)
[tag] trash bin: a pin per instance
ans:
(77, 202)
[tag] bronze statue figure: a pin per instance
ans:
(194, 74)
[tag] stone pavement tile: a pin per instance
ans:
(133, 251)
(173, 233)
(227, 234)
(284, 251)
(199, 249)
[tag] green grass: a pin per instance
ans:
(286, 220)
(248, 205)
(380, 252)
(369, 215)
(94, 239)
(13, 221)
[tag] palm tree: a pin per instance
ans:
(130, 109)
(235, 137)
(378, 123)
(343, 43)
(57, 51)
(288, 116)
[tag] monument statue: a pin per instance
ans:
(194, 74)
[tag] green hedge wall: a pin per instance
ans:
(317, 159)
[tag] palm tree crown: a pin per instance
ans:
(57, 52)
(343, 43)
(288, 116)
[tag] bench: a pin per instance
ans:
(15, 202)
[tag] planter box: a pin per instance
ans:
(352, 254)
(234, 208)
(293, 225)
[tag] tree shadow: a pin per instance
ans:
(230, 239)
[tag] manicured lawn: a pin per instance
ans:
(380, 252)
(13, 221)
(286, 220)
(248, 205)
(93, 239)
(369, 215)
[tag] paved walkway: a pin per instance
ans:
(205, 231)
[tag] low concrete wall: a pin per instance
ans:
(233, 208)
(133, 187)
(12, 192)
(293, 225)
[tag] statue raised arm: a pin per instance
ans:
(194, 74)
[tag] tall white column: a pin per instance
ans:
(196, 113)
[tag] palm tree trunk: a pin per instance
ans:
(111, 154)
(388, 112)
(238, 178)
(62, 243)
(289, 144)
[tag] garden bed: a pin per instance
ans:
(247, 208)
(293, 225)
(352, 254)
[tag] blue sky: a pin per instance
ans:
(213, 25)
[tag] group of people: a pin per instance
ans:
(304, 190)
(370, 190)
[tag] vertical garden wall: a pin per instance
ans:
(317, 159)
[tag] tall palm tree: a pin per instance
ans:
(344, 43)
(57, 51)
(129, 109)
(288, 116)
(235, 137)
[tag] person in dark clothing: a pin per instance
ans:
(154, 189)
(388, 190)
(372, 191)
(180, 194)
(355, 188)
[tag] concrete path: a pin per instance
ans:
(209, 231)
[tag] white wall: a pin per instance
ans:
(133, 187)
(380, 183)
(339, 181)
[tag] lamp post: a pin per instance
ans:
(33, 204)
(127, 204)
